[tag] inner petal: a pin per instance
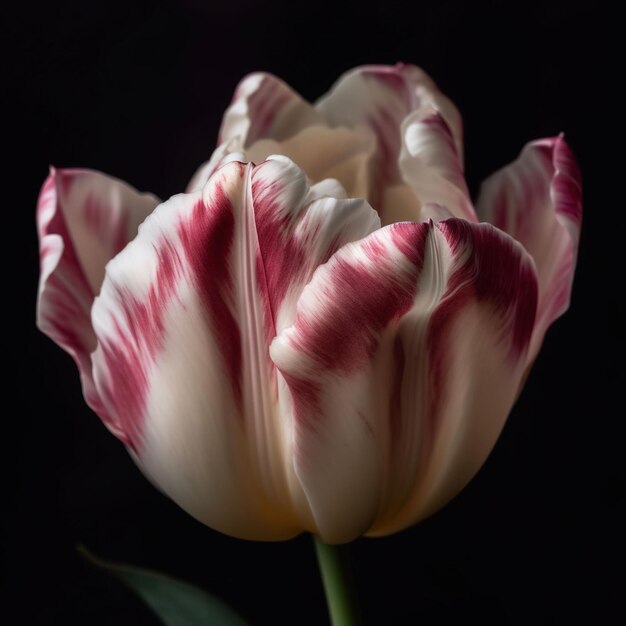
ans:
(400, 204)
(341, 153)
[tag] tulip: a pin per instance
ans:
(329, 340)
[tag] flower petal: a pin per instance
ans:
(381, 96)
(99, 214)
(84, 218)
(264, 106)
(340, 153)
(322, 152)
(537, 199)
(431, 165)
(184, 321)
(405, 356)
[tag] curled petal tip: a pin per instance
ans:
(537, 199)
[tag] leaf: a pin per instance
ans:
(176, 602)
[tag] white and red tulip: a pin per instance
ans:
(278, 357)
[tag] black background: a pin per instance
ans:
(137, 90)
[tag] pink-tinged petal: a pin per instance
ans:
(381, 97)
(538, 200)
(84, 218)
(430, 97)
(184, 322)
(97, 213)
(431, 166)
(265, 107)
(404, 359)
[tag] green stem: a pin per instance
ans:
(338, 584)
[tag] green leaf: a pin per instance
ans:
(177, 603)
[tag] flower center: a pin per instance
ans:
(349, 156)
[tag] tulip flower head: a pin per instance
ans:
(323, 333)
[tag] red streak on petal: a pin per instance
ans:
(492, 274)
(357, 302)
(57, 225)
(98, 217)
(280, 258)
(499, 276)
(392, 77)
(207, 240)
(264, 105)
(387, 130)
(305, 396)
(93, 213)
(136, 345)
(126, 387)
(567, 183)
(67, 297)
(411, 241)
(65, 181)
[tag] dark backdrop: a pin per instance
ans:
(137, 89)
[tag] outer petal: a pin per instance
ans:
(432, 167)
(264, 106)
(184, 321)
(84, 218)
(537, 199)
(404, 359)
(380, 97)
